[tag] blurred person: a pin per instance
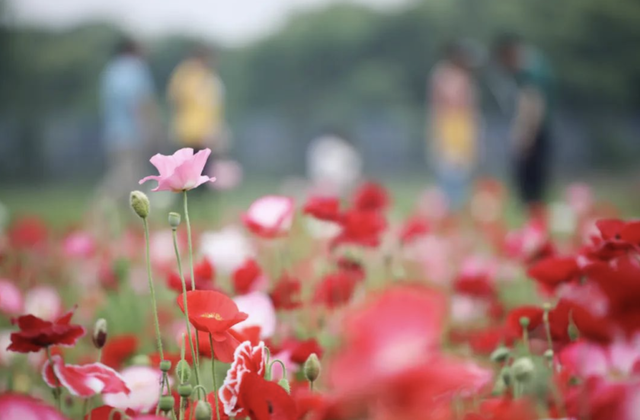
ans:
(196, 94)
(334, 165)
(128, 104)
(454, 123)
(530, 131)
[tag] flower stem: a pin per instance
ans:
(193, 278)
(213, 374)
(186, 307)
(152, 289)
(57, 391)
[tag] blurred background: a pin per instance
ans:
(293, 69)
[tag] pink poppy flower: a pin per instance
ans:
(79, 245)
(181, 171)
(270, 216)
(143, 383)
(83, 381)
(16, 406)
(11, 301)
(262, 314)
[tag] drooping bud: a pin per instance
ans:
(185, 390)
(166, 403)
(165, 366)
(501, 354)
(174, 220)
(523, 369)
(203, 411)
(140, 203)
(312, 367)
(99, 336)
(285, 384)
(183, 371)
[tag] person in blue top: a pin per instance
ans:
(127, 97)
(530, 128)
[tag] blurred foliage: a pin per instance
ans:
(330, 66)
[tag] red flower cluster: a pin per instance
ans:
(36, 334)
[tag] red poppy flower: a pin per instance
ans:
(245, 276)
(286, 293)
(301, 350)
(351, 266)
(118, 349)
(371, 196)
(28, 233)
(222, 350)
(550, 272)
(36, 334)
(335, 289)
(618, 281)
(104, 413)
(265, 400)
(204, 273)
(361, 227)
(247, 358)
(479, 286)
(413, 228)
(512, 325)
(323, 208)
(212, 312)
(83, 380)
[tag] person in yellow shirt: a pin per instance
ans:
(196, 94)
(454, 129)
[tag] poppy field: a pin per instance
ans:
(323, 308)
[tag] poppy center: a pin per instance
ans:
(213, 315)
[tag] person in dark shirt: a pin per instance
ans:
(530, 128)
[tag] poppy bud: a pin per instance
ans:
(312, 368)
(524, 322)
(548, 354)
(203, 411)
(99, 337)
(573, 331)
(183, 371)
(185, 390)
(285, 384)
(523, 369)
(501, 354)
(166, 403)
(140, 203)
(165, 366)
(174, 220)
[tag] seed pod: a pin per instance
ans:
(165, 366)
(185, 390)
(501, 354)
(166, 403)
(523, 369)
(174, 220)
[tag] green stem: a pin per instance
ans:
(193, 278)
(152, 289)
(181, 408)
(186, 307)
(284, 369)
(100, 355)
(213, 374)
(85, 405)
(57, 390)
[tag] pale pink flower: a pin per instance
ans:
(11, 301)
(24, 407)
(270, 216)
(618, 360)
(143, 382)
(468, 308)
(261, 313)
(181, 171)
(228, 174)
(227, 249)
(43, 302)
(79, 245)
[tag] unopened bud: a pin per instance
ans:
(166, 403)
(203, 411)
(185, 390)
(312, 368)
(573, 331)
(524, 322)
(548, 354)
(174, 220)
(523, 369)
(501, 354)
(165, 366)
(99, 336)
(546, 306)
(140, 203)
(183, 371)
(285, 384)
